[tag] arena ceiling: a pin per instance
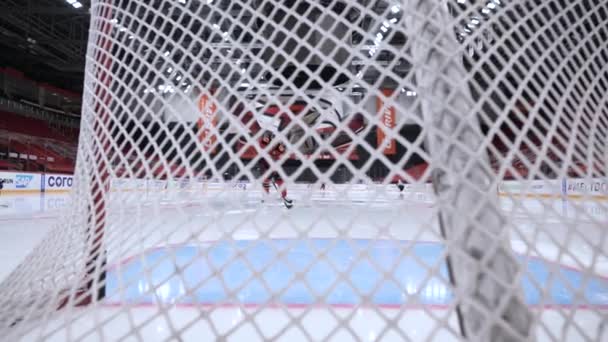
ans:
(45, 39)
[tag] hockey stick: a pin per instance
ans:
(288, 203)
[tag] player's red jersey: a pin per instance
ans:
(276, 150)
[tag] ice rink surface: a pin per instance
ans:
(261, 264)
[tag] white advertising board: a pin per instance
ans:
(57, 182)
(534, 188)
(20, 182)
(587, 187)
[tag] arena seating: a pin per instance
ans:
(29, 126)
(30, 144)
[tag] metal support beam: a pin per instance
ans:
(43, 10)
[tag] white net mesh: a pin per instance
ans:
(332, 170)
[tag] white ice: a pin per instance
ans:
(566, 232)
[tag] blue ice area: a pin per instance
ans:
(303, 272)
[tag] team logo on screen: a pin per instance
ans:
(321, 116)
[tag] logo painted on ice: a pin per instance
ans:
(22, 181)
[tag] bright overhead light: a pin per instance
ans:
(166, 88)
(74, 3)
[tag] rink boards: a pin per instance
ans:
(20, 182)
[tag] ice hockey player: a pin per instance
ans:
(323, 190)
(400, 185)
(1, 185)
(274, 179)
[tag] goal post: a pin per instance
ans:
(97, 186)
(310, 170)
(470, 220)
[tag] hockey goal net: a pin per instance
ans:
(332, 170)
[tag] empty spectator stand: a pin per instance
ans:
(29, 144)
(29, 126)
(27, 153)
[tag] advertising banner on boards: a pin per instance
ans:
(57, 182)
(20, 182)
